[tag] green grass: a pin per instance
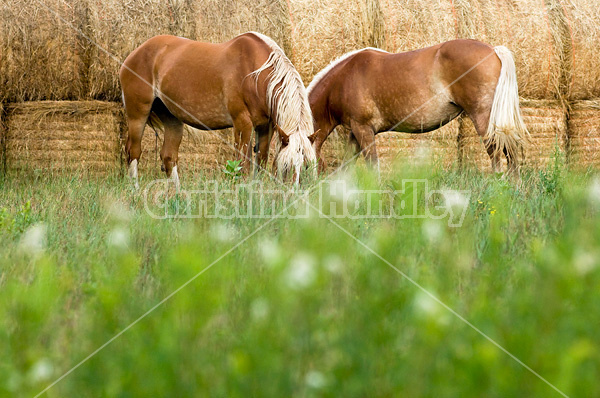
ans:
(301, 308)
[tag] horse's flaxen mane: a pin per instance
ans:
(319, 76)
(292, 113)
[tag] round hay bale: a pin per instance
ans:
(414, 24)
(63, 135)
(199, 151)
(325, 29)
(547, 124)
(583, 36)
(584, 134)
(530, 29)
(436, 147)
(120, 27)
(41, 58)
(439, 146)
(2, 139)
(336, 151)
(234, 17)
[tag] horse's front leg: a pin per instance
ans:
(242, 125)
(264, 135)
(322, 130)
(365, 136)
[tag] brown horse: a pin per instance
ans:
(215, 86)
(370, 90)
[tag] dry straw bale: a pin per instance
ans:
(41, 58)
(529, 28)
(436, 147)
(64, 135)
(2, 139)
(219, 21)
(584, 134)
(199, 150)
(439, 146)
(414, 24)
(547, 125)
(325, 29)
(120, 27)
(583, 27)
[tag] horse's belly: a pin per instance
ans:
(422, 118)
(203, 112)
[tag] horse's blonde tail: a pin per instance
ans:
(506, 129)
(288, 101)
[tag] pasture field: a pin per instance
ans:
(301, 308)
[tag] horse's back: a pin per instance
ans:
(193, 77)
(410, 91)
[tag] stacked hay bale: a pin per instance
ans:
(322, 30)
(41, 58)
(584, 134)
(65, 135)
(534, 31)
(218, 21)
(547, 124)
(582, 35)
(199, 151)
(45, 54)
(530, 29)
(581, 20)
(414, 24)
(2, 140)
(436, 147)
(119, 27)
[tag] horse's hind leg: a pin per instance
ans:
(169, 152)
(480, 120)
(137, 115)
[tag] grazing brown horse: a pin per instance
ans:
(370, 90)
(215, 86)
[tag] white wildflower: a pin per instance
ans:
(342, 189)
(223, 233)
(269, 250)
(428, 307)
(333, 263)
(315, 379)
(118, 238)
(118, 211)
(259, 309)
(33, 240)
(432, 231)
(301, 272)
(594, 192)
(455, 199)
(584, 262)
(41, 371)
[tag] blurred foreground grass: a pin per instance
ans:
(301, 308)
